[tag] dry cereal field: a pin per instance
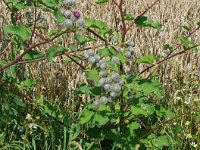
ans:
(100, 74)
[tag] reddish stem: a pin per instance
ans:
(124, 30)
(168, 56)
(27, 49)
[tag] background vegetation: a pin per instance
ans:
(47, 96)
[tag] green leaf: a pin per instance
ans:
(29, 82)
(87, 89)
(93, 75)
(187, 43)
(83, 39)
(169, 114)
(128, 17)
(107, 52)
(73, 47)
(143, 21)
(84, 89)
(162, 141)
(50, 3)
(2, 137)
(19, 102)
(148, 108)
(98, 24)
(133, 126)
(167, 46)
(149, 59)
(104, 108)
(146, 86)
(198, 23)
(59, 16)
(104, 31)
(98, 133)
(104, 52)
(75, 131)
(52, 52)
(18, 30)
(86, 116)
(94, 23)
(49, 110)
(101, 1)
(11, 71)
(20, 6)
(151, 86)
(33, 54)
(138, 111)
(100, 119)
(52, 32)
(121, 57)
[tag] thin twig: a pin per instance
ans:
(144, 12)
(168, 121)
(177, 47)
(124, 29)
(22, 95)
(27, 49)
(34, 27)
(158, 64)
(82, 67)
(93, 32)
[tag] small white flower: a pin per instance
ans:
(29, 117)
(33, 125)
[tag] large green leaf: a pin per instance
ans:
(133, 126)
(19, 30)
(52, 52)
(162, 141)
(86, 116)
(146, 86)
(143, 21)
(33, 54)
(87, 89)
(98, 24)
(149, 59)
(59, 16)
(75, 131)
(93, 75)
(138, 111)
(11, 71)
(100, 119)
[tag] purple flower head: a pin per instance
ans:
(77, 14)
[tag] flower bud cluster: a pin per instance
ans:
(129, 53)
(73, 17)
(92, 57)
(111, 83)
